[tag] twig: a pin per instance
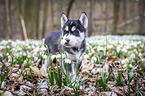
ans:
(23, 27)
(129, 21)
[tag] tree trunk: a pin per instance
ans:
(37, 17)
(141, 17)
(69, 7)
(32, 19)
(20, 14)
(52, 14)
(90, 25)
(44, 18)
(106, 15)
(116, 4)
(8, 19)
(124, 15)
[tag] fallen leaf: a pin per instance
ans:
(7, 93)
(108, 94)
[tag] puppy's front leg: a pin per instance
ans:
(44, 64)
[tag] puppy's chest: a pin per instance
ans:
(75, 56)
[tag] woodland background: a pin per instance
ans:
(35, 19)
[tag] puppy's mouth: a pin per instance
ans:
(68, 45)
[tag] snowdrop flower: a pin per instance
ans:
(68, 61)
(125, 65)
(8, 47)
(43, 40)
(125, 61)
(24, 54)
(35, 58)
(63, 55)
(53, 56)
(132, 55)
(43, 48)
(25, 61)
(140, 55)
(94, 59)
(86, 56)
(124, 50)
(7, 54)
(29, 55)
(44, 56)
(63, 41)
(20, 48)
(58, 56)
(130, 65)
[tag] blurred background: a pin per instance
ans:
(35, 19)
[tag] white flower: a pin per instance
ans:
(132, 55)
(140, 55)
(125, 65)
(63, 41)
(124, 50)
(125, 61)
(43, 40)
(43, 48)
(58, 56)
(25, 61)
(8, 47)
(35, 58)
(94, 59)
(130, 65)
(29, 55)
(44, 56)
(86, 56)
(53, 56)
(68, 61)
(24, 54)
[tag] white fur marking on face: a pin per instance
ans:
(74, 40)
(73, 28)
(66, 28)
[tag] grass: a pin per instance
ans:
(111, 65)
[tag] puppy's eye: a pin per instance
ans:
(73, 28)
(76, 33)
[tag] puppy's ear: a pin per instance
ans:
(84, 20)
(63, 19)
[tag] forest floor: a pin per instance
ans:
(112, 66)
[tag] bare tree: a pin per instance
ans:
(90, 26)
(20, 14)
(44, 17)
(116, 4)
(106, 15)
(124, 14)
(69, 7)
(141, 17)
(37, 17)
(32, 19)
(8, 19)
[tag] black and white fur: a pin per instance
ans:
(73, 43)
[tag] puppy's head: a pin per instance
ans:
(73, 30)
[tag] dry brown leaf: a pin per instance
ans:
(85, 75)
(25, 88)
(108, 94)
(111, 58)
(20, 79)
(7, 93)
(14, 76)
(43, 92)
(116, 89)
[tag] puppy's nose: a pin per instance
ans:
(67, 40)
